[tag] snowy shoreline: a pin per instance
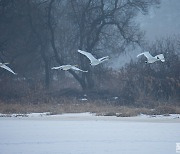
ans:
(170, 118)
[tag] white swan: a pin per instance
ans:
(92, 59)
(151, 59)
(68, 67)
(3, 65)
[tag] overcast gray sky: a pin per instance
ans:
(164, 21)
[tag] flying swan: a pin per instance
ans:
(3, 65)
(92, 59)
(151, 59)
(68, 67)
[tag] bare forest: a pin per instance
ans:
(36, 35)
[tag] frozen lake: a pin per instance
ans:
(88, 134)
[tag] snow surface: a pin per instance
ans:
(88, 134)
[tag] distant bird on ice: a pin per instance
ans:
(3, 65)
(68, 67)
(92, 59)
(151, 59)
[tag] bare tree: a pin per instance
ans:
(17, 44)
(94, 18)
(94, 25)
(40, 33)
(57, 54)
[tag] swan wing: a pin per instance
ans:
(88, 55)
(77, 69)
(63, 67)
(146, 54)
(7, 68)
(55, 68)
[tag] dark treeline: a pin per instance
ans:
(36, 35)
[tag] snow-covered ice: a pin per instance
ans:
(88, 134)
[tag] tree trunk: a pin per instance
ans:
(59, 59)
(42, 50)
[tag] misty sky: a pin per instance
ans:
(163, 21)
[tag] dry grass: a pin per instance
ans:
(77, 106)
(166, 109)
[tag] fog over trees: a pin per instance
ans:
(36, 35)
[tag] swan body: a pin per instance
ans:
(68, 67)
(93, 60)
(3, 65)
(151, 59)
